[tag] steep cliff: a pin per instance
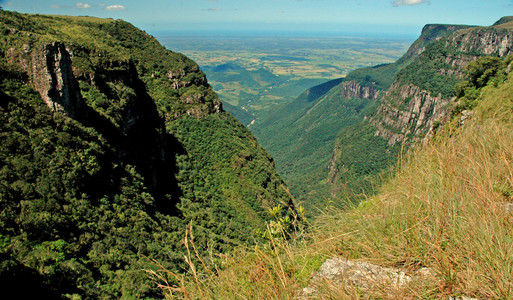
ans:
(418, 99)
(52, 75)
(110, 147)
(421, 94)
(354, 89)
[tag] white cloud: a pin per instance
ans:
(409, 2)
(115, 7)
(214, 9)
(82, 5)
(102, 5)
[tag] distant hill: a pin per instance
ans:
(228, 67)
(252, 88)
(111, 148)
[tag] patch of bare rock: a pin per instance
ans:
(337, 275)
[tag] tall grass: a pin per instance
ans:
(444, 210)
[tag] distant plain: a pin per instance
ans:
(253, 74)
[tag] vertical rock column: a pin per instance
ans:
(52, 76)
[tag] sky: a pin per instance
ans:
(330, 17)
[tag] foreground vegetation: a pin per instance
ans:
(448, 209)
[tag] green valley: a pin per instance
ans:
(439, 228)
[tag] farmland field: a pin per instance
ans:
(253, 74)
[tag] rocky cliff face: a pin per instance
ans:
(421, 95)
(52, 76)
(421, 111)
(200, 104)
(430, 33)
(354, 89)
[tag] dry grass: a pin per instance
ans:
(444, 210)
(263, 272)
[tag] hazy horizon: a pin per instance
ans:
(399, 18)
(287, 32)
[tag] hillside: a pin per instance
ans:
(111, 147)
(440, 228)
(306, 137)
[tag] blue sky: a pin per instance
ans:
(329, 16)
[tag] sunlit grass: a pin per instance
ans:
(445, 210)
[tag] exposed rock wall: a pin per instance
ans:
(52, 76)
(423, 109)
(483, 41)
(198, 98)
(332, 168)
(410, 109)
(430, 33)
(353, 89)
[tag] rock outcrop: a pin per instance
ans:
(353, 89)
(52, 76)
(337, 273)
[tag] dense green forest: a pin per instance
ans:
(102, 175)
(302, 141)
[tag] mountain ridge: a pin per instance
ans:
(416, 104)
(457, 51)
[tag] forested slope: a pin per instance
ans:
(110, 147)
